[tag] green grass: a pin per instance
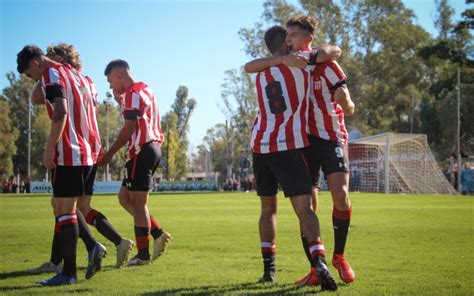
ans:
(398, 245)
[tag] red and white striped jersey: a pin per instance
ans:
(79, 144)
(326, 117)
(139, 96)
(282, 94)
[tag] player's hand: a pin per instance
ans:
(106, 159)
(117, 96)
(294, 60)
(48, 158)
(339, 95)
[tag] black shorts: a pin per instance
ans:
(73, 181)
(327, 155)
(287, 168)
(140, 169)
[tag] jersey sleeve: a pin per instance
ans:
(132, 106)
(335, 75)
(53, 84)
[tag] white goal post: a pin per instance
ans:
(395, 163)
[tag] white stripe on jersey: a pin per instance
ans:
(135, 101)
(76, 156)
(331, 75)
(53, 76)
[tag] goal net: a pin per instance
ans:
(395, 163)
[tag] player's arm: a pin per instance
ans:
(125, 134)
(290, 60)
(327, 53)
(37, 96)
(56, 95)
(343, 98)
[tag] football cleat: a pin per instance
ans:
(123, 252)
(325, 278)
(342, 266)
(58, 280)
(136, 261)
(311, 279)
(47, 267)
(95, 260)
(267, 278)
(160, 244)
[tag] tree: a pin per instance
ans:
(170, 147)
(444, 12)
(240, 108)
(109, 112)
(9, 135)
(17, 95)
(442, 57)
(183, 108)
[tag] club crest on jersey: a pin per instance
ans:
(318, 85)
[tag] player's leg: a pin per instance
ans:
(314, 165)
(125, 199)
(55, 262)
(141, 220)
(267, 188)
(336, 168)
(311, 278)
(341, 218)
(139, 184)
(292, 171)
(94, 217)
(67, 185)
(267, 230)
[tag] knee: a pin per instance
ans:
(341, 199)
(84, 208)
(268, 211)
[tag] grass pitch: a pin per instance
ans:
(398, 244)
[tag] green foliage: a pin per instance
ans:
(397, 73)
(8, 134)
(17, 95)
(110, 112)
(397, 245)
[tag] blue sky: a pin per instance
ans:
(167, 43)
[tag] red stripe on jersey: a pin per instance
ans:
(139, 96)
(293, 96)
(78, 110)
(279, 119)
(78, 143)
(304, 107)
(285, 127)
(263, 118)
(326, 118)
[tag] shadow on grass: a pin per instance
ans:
(244, 288)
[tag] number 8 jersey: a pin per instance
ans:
(283, 94)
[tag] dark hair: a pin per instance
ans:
(274, 38)
(24, 57)
(305, 22)
(116, 64)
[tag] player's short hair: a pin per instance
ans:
(116, 64)
(305, 22)
(24, 57)
(274, 38)
(68, 52)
